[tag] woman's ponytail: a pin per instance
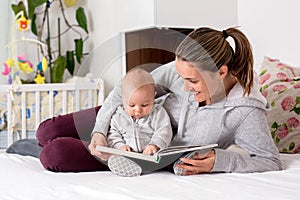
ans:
(242, 62)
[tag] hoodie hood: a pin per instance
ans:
(255, 99)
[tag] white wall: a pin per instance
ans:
(272, 27)
(195, 13)
(112, 17)
(4, 38)
(108, 18)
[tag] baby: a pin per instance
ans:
(140, 124)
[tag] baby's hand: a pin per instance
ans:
(150, 149)
(125, 148)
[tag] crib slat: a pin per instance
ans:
(10, 135)
(23, 116)
(90, 98)
(51, 103)
(64, 102)
(101, 91)
(86, 89)
(37, 108)
(77, 99)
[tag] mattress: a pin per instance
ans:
(23, 177)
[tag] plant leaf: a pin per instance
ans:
(33, 25)
(37, 3)
(30, 9)
(58, 69)
(81, 19)
(78, 49)
(274, 125)
(70, 62)
(32, 4)
(298, 100)
(18, 8)
(297, 110)
(263, 72)
(292, 146)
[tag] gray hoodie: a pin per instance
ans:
(235, 120)
(154, 128)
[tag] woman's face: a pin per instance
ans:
(193, 81)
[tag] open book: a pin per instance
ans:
(162, 152)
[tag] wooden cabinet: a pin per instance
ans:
(152, 47)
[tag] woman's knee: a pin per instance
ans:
(77, 125)
(53, 128)
(69, 155)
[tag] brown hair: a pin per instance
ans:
(209, 49)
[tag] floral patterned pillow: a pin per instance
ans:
(280, 84)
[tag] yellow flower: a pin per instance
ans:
(23, 23)
(39, 79)
(70, 3)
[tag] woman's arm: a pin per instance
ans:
(164, 77)
(256, 150)
(252, 136)
(106, 111)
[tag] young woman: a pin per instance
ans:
(221, 104)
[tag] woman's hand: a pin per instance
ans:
(200, 163)
(150, 149)
(98, 139)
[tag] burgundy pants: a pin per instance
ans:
(65, 142)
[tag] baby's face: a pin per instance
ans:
(140, 103)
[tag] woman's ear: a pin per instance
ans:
(223, 71)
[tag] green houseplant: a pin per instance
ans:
(38, 12)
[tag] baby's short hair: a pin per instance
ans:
(134, 79)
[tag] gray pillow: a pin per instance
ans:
(25, 147)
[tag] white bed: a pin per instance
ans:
(23, 178)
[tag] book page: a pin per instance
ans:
(182, 149)
(152, 158)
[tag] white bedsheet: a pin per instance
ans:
(23, 178)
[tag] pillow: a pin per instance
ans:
(25, 147)
(280, 85)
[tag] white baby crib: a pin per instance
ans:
(45, 101)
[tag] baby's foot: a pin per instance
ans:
(179, 171)
(123, 166)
